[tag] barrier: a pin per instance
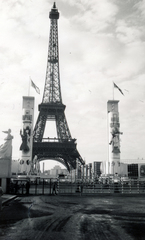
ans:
(45, 187)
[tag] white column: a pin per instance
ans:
(113, 137)
(27, 134)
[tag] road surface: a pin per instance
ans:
(73, 218)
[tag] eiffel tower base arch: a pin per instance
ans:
(64, 152)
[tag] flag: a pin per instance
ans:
(35, 87)
(118, 88)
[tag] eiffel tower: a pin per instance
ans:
(63, 148)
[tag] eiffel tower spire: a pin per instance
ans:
(52, 91)
(52, 108)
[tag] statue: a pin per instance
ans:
(25, 140)
(115, 137)
(6, 148)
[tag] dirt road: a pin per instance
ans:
(73, 218)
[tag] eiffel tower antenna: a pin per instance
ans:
(62, 149)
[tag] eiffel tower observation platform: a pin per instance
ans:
(63, 148)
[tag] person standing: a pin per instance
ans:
(27, 187)
(1, 193)
(81, 188)
(54, 190)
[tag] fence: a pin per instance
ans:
(47, 187)
(37, 186)
(135, 187)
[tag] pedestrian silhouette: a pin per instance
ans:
(27, 187)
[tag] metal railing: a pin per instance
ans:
(130, 187)
(45, 186)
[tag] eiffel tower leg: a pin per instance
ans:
(66, 163)
(39, 128)
(62, 127)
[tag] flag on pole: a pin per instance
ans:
(118, 88)
(35, 87)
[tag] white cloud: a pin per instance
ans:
(128, 34)
(140, 6)
(131, 62)
(95, 15)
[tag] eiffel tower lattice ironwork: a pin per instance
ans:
(63, 148)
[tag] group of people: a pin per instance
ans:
(22, 188)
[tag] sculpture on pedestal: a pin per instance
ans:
(6, 148)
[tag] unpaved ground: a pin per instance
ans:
(73, 218)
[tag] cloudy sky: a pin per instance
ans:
(99, 42)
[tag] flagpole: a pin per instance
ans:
(29, 87)
(113, 91)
